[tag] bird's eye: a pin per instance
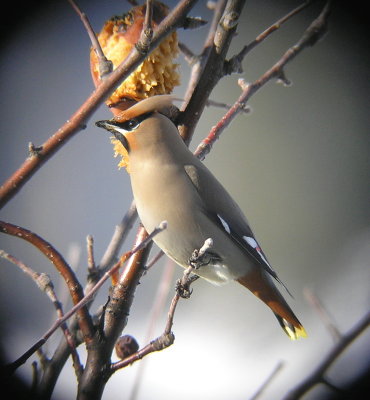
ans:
(132, 124)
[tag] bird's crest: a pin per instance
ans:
(160, 103)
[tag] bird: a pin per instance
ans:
(169, 183)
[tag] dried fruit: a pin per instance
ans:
(158, 74)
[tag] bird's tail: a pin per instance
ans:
(262, 286)
(293, 331)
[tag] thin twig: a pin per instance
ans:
(87, 298)
(182, 283)
(154, 260)
(268, 380)
(158, 305)
(114, 320)
(35, 378)
(53, 368)
(193, 23)
(82, 303)
(91, 266)
(190, 57)
(105, 65)
(327, 320)
(75, 289)
(318, 374)
(182, 287)
(235, 62)
(208, 70)
(45, 284)
(147, 31)
(213, 103)
(159, 344)
(201, 61)
(312, 34)
(167, 338)
(78, 120)
(120, 233)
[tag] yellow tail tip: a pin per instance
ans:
(295, 332)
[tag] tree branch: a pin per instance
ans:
(45, 284)
(82, 303)
(114, 320)
(318, 375)
(208, 70)
(105, 65)
(63, 268)
(268, 380)
(147, 32)
(61, 354)
(323, 314)
(119, 236)
(78, 120)
(235, 63)
(312, 34)
(167, 338)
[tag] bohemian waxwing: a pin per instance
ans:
(169, 183)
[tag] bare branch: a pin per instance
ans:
(218, 104)
(167, 338)
(190, 57)
(235, 63)
(156, 258)
(78, 120)
(318, 375)
(157, 309)
(323, 314)
(105, 65)
(35, 378)
(63, 268)
(193, 23)
(82, 303)
(44, 282)
(147, 32)
(159, 344)
(268, 380)
(113, 321)
(199, 63)
(109, 273)
(53, 368)
(208, 70)
(90, 255)
(310, 37)
(118, 238)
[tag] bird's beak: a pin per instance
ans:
(111, 127)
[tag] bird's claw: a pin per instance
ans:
(198, 260)
(183, 287)
(183, 290)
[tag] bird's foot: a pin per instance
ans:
(202, 256)
(183, 286)
(198, 259)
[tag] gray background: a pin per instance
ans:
(298, 165)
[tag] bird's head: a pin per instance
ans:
(140, 126)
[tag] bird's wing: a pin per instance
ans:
(226, 214)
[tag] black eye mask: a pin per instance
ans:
(133, 123)
(127, 126)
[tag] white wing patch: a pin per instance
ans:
(253, 243)
(224, 224)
